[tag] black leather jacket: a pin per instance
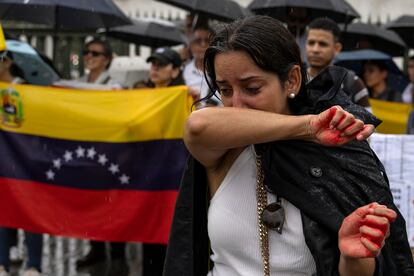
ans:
(326, 184)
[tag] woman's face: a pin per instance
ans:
(373, 75)
(199, 43)
(161, 75)
(95, 58)
(245, 85)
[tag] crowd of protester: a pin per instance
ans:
(170, 67)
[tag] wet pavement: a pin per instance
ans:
(60, 256)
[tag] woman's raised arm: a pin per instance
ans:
(211, 132)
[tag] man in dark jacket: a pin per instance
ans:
(322, 45)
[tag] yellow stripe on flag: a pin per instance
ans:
(107, 116)
(393, 115)
(2, 40)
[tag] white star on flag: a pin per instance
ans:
(102, 159)
(113, 168)
(57, 163)
(80, 152)
(91, 153)
(124, 179)
(68, 156)
(50, 174)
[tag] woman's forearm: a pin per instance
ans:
(225, 128)
(356, 266)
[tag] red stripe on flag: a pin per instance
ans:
(111, 215)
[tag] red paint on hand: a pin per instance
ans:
(373, 224)
(332, 112)
(375, 241)
(333, 138)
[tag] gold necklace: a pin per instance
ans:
(261, 195)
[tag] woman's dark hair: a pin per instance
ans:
(15, 70)
(382, 66)
(326, 24)
(105, 45)
(179, 80)
(266, 40)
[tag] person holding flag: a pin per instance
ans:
(11, 73)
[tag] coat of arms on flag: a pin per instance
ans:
(11, 107)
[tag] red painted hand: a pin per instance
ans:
(363, 232)
(335, 127)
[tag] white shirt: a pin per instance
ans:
(407, 95)
(103, 79)
(234, 234)
(18, 80)
(195, 78)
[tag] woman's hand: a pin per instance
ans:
(335, 127)
(363, 232)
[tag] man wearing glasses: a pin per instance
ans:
(193, 71)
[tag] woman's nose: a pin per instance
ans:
(237, 100)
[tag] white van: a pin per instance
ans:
(129, 70)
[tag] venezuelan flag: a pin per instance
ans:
(394, 116)
(101, 165)
(2, 40)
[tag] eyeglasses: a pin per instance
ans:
(93, 53)
(200, 41)
(273, 216)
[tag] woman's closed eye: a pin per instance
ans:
(253, 90)
(225, 91)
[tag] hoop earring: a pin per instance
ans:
(291, 95)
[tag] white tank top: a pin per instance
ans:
(234, 234)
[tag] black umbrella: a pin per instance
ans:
(367, 36)
(404, 27)
(338, 10)
(354, 60)
(65, 14)
(149, 32)
(224, 10)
